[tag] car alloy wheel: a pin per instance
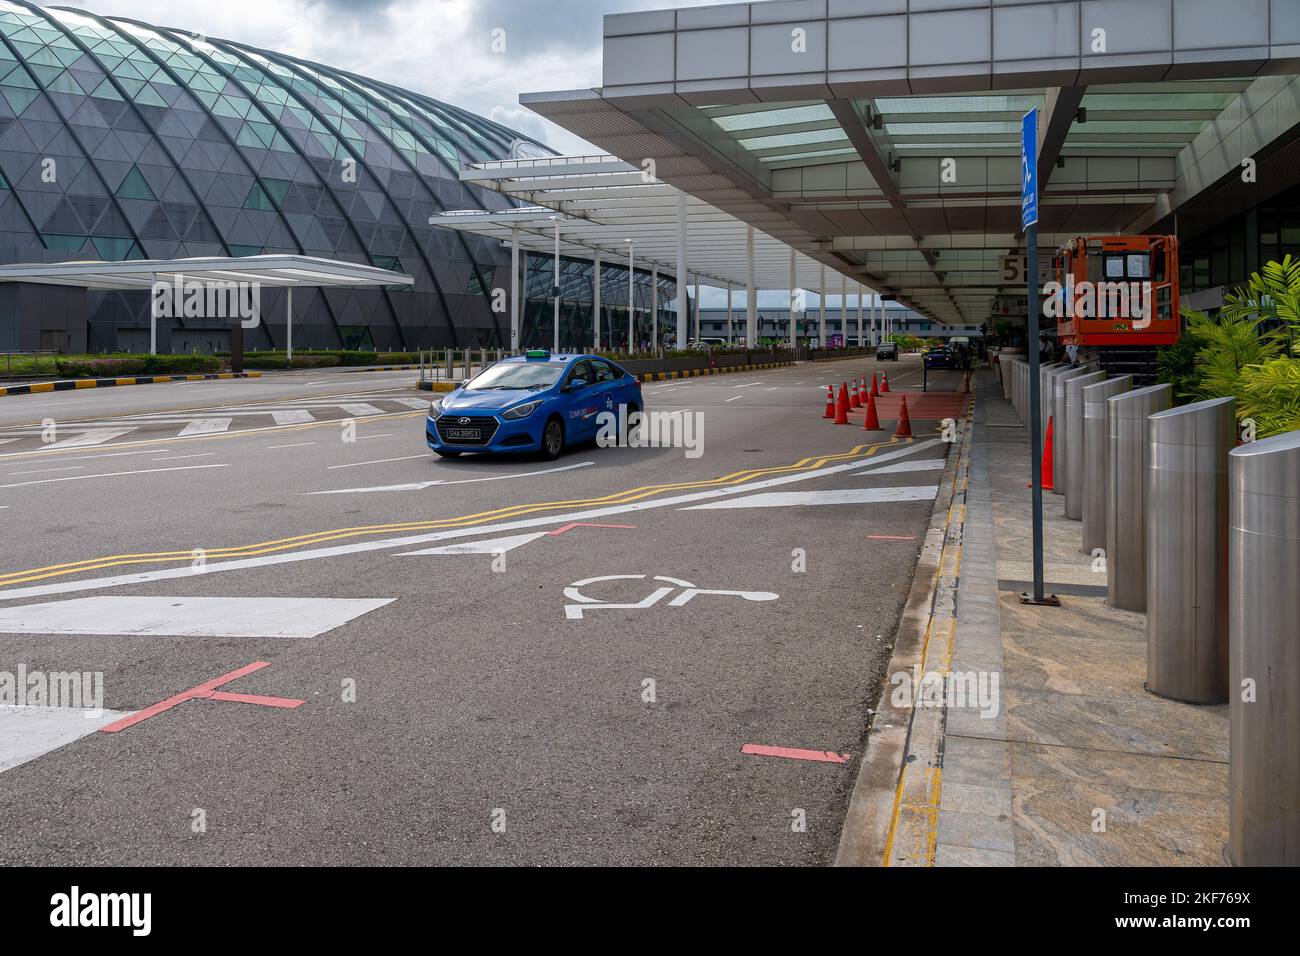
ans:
(553, 439)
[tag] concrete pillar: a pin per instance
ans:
(683, 297)
(821, 321)
(514, 292)
(595, 301)
(751, 299)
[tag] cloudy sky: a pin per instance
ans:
(442, 48)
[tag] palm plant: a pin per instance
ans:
(1272, 294)
(1270, 396)
(1227, 345)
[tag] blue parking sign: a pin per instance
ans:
(1029, 169)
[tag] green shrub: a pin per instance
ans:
(118, 366)
(272, 360)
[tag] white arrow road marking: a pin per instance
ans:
(360, 547)
(30, 732)
(490, 546)
(421, 485)
(205, 426)
(294, 416)
(114, 474)
(188, 616)
(849, 496)
(902, 468)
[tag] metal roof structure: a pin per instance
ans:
(602, 202)
(273, 271)
(881, 137)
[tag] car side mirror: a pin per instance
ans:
(575, 384)
(462, 383)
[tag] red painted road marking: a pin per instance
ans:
(582, 524)
(206, 691)
(793, 753)
(891, 537)
(286, 702)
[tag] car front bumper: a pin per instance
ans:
(508, 436)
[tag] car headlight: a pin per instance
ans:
(520, 411)
(435, 408)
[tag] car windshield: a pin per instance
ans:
(535, 375)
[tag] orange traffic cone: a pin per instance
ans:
(862, 390)
(884, 382)
(830, 402)
(875, 388)
(842, 406)
(872, 423)
(1049, 479)
(904, 429)
(854, 401)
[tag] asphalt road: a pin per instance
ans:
(496, 719)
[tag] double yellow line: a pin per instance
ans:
(483, 517)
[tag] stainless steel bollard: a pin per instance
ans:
(1264, 649)
(1187, 550)
(1126, 552)
(1045, 374)
(1094, 459)
(1058, 413)
(1074, 460)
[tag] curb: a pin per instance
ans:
(381, 368)
(701, 372)
(903, 759)
(643, 376)
(76, 384)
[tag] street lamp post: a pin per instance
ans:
(631, 295)
(555, 291)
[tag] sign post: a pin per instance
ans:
(1029, 224)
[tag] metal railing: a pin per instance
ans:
(35, 354)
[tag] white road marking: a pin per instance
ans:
(736, 399)
(361, 410)
(46, 471)
(115, 474)
(381, 461)
(30, 732)
(302, 444)
(930, 464)
(372, 437)
(111, 454)
(5, 441)
(360, 547)
(411, 402)
(848, 496)
(749, 385)
(184, 457)
(298, 618)
(205, 426)
(490, 546)
(421, 485)
(95, 436)
(294, 416)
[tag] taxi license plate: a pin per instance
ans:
(464, 434)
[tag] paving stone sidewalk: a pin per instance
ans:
(1080, 766)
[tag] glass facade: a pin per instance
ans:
(120, 140)
(1227, 254)
(577, 299)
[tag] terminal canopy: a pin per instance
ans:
(140, 274)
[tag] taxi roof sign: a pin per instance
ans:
(537, 354)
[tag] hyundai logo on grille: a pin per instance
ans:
(462, 421)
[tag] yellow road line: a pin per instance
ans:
(513, 511)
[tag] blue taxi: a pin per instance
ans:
(534, 402)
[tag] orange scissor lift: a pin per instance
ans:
(1125, 342)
